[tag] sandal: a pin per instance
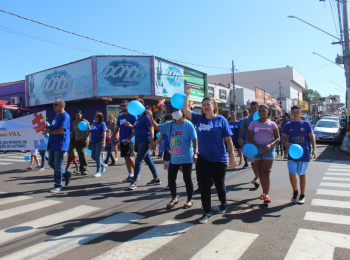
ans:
(262, 196)
(171, 204)
(188, 205)
(84, 173)
(256, 183)
(76, 172)
(267, 199)
(29, 168)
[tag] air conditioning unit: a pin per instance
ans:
(15, 100)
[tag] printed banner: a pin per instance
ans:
(24, 133)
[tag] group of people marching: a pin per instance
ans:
(203, 139)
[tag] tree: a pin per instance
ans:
(311, 95)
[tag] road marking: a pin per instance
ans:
(27, 208)
(13, 199)
(337, 173)
(335, 179)
(14, 160)
(341, 193)
(147, 242)
(338, 185)
(16, 157)
(58, 245)
(335, 165)
(331, 203)
(3, 163)
(44, 222)
(338, 170)
(228, 244)
(327, 218)
(315, 244)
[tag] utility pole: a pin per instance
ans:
(280, 87)
(233, 88)
(346, 53)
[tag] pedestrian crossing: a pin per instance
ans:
(13, 158)
(335, 192)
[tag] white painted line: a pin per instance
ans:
(27, 208)
(338, 170)
(3, 163)
(13, 199)
(338, 173)
(19, 157)
(331, 203)
(345, 165)
(44, 222)
(147, 242)
(3, 192)
(58, 245)
(341, 193)
(229, 244)
(314, 244)
(338, 185)
(335, 179)
(15, 160)
(327, 218)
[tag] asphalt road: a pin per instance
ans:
(100, 218)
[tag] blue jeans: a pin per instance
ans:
(143, 154)
(161, 148)
(96, 153)
(43, 157)
(109, 154)
(56, 163)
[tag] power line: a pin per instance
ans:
(107, 43)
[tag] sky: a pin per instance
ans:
(256, 35)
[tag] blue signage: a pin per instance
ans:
(174, 76)
(56, 84)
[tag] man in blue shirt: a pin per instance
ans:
(125, 123)
(58, 144)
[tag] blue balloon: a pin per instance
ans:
(26, 158)
(256, 116)
(295, 151)
(177, 100)
(83, 126)
(136, 108)
(87, 151)
(158, 134)
(250, 150)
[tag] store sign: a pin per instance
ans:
(222, 94)
(124, 73)
(56, 84)
(211, 92)
(260, 96)
(169, 78)
(196, 80)
(174, 76)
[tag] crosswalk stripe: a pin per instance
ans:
(27, 208)
(338, 185)
(338, 170)
(3, 163)
(315, 244)
(44, 222)
(335, 179)
(339, 165)
(228, 244)
(16, 157)
(341, 193)
(338, 173)
(13, 199)
(331, 203)
(327, 218)
(14, 160)
(156, 237)
(58, 245)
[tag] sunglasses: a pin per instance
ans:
(122, 105)
(55, 104)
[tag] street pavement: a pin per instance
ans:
(99, 218)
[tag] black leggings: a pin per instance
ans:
(209, 172)
(172, 175)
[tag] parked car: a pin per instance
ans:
(328, 130)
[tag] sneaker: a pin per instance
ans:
(127, 180)
(67, 176)
(104, 167)
(223, 208)
(56, 190)
(245, 166)
(294, 198)
(132, 186)
(301, 199)
(154, 182)
(41, 169)
(97, 174)
(166, 188)
(112, 163)
(106, 161)
(205, 218)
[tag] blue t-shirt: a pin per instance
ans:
(124, 132)
(60, 142)
(244, 137)
(298, 133)
(96, 132)
(181, 137)
(211, 134)
(235, 126)
(141, 128)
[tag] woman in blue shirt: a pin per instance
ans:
(212, 129)
(183, 146)
(97, 141)
(143, 132)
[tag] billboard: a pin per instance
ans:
(65, 82)
(304, 105)
(260, 95)
(169, 78)
(196, 80)
(123, 76)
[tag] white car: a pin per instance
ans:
(328, 130)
